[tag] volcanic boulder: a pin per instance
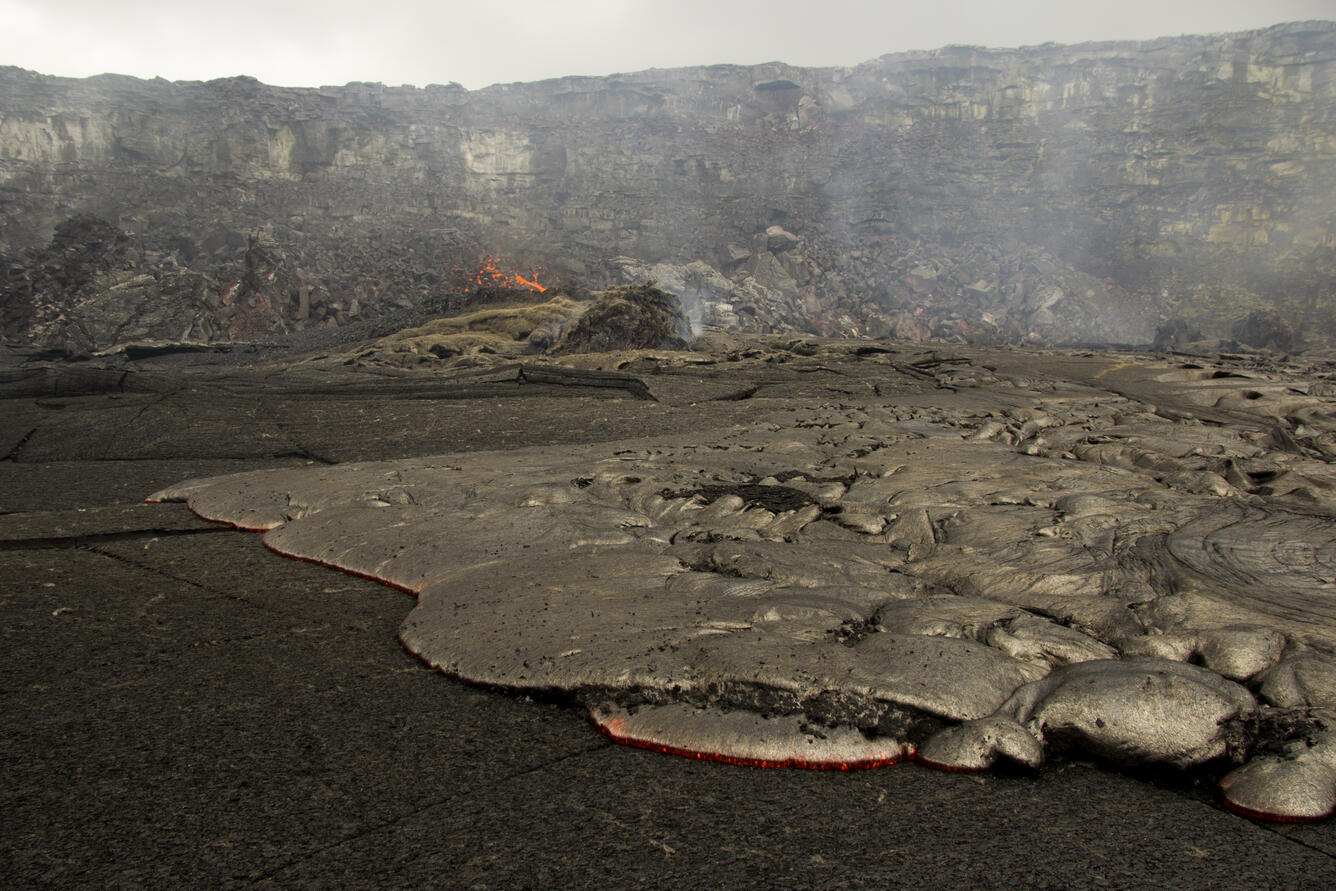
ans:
(1264, 328)
(630, 318)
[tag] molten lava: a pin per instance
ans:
(492, 273)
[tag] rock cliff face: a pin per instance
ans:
(1057, 193)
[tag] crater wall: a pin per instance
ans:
(1051, 193)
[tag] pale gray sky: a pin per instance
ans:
(480, 42)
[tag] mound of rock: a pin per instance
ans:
(633, 317)
(1264, 329)
(506, 330)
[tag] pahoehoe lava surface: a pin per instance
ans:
(1122, 555)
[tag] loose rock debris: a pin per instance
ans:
(1109, 554)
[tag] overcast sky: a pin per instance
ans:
(480, 42)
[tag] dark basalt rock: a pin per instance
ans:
(629, 318)
(1174, 334)
(1264, 329)
(83, 257)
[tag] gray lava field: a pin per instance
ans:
(1096, 587)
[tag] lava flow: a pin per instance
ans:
(708, 737)
(493, 274)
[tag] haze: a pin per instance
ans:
(421, 42)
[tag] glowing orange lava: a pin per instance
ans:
(492, 273)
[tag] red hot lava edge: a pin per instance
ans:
(612, 733)
(1264, 815)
